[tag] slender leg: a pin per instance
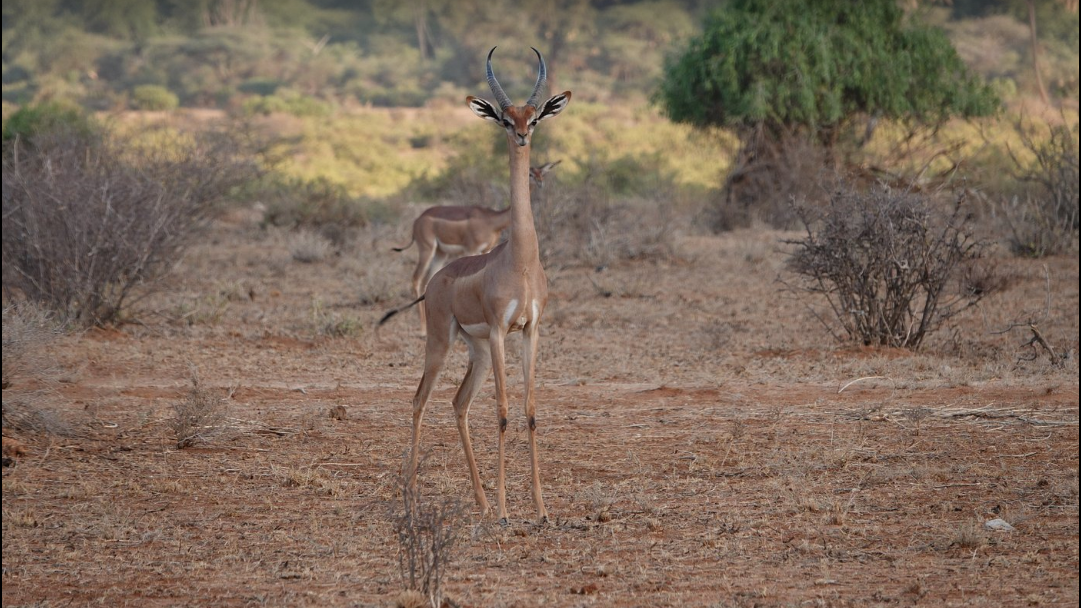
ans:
(437, 262)
(421, 276)
(529, 358)
(479, 366)
(434, 357)
(495, 342)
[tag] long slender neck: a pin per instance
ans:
(523, 235)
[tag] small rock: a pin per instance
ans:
(998, 524)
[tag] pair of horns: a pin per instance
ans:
(501, 98)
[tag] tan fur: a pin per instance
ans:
(447, 232)
(483, 298)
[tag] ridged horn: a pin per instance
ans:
(542, 80)
(500, 97)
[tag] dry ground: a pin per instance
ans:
(696, 447)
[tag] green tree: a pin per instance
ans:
(793, 76)
(803, 64)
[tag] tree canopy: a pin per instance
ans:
(813, 64)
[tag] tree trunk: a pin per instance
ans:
(1036, 50)
(420, 20)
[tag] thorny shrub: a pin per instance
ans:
(92, 221)
(427, 533)
(1043, 220)
(891, 268)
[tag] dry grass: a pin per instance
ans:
(199, 416)
(28, 330)
(30, 372)
(309, 247)
(680, 468)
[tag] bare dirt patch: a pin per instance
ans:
(697, 448)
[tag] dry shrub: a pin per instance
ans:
(890, 267)
(26, 413)
(27, 330)
(1043, 220)
(29, 371)
(585, 224)
(198, 417)
(427, 533)
(92, 221)
(308, 247)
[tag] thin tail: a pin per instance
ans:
(403, 248)
(391, 313)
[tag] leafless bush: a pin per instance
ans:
(198, 417)
(585, 225)
(91, 222)
(1043, 220)
(891, 269)
(427, 532)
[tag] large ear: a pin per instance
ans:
(484, 109)
(554, 105)
(546, 167)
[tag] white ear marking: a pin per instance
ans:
(483, 109)
(554, 105)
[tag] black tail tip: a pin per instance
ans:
(397, 248)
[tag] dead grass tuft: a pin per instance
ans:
(31, 416)
(198, 417)
(312, 478)
(970, 535)
(308, 247)
(332, 324)
(20, 518)
(27, 330)
(411, 598)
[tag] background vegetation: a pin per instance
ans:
(357, 109)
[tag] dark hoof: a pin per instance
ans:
(503, 522)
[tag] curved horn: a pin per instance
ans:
(542, 80)
(500, 97)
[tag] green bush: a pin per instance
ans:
(285, 102)
(28, 121)
(317, 204)
(154, 97)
